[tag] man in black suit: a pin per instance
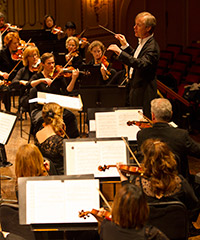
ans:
(177, 139)
(142, 61)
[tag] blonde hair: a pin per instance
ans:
(75, 39)
(149, 20)
(29, 162)
(9, 37)
(27, 52)
(52, 114)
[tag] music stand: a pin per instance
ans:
(7, 122)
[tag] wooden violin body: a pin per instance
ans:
(140, 124)
(125, 169)
(95, 213)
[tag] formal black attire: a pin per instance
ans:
(143, 87)
(6, 65)
(23, 74)
(111, 231)
(177, 139)
(57, 87)
(52, 148)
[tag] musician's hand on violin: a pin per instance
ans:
(122, 177)
(84, 43)
(46, 164)
(104, 73)
(1, 82)
(5, 75)
(114, 48)
(75, 74)
(23, 82)
(122, 39)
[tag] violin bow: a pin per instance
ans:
(133, 155)
(107, 30)
(145, 117)
(104, 199)
(80, 35)
(21, 59)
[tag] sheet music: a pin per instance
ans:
(106, 124)
(114, 124)
(7, 122)
(64, 101)
(85, 157)
(55, 201)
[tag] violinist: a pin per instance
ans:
(72, 57)
(2, 23)
(31, 59)
(48, 25)
(129, 215)
(97, 49)
(161, 181)
(11, 42)
(70, 31)
(42, 82)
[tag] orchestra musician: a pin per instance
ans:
(97, 49)
(72, 57)
(160, 181)
(31, 62)
(43, 82)
(8, 67)
(70, 31)
(48, 25)
(179, 141)
(142, 61)
(129, 215)
(2, 23)
(50, 138)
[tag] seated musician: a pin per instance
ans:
(160, 181)
(43, 82)
(50, 138)
(8, 66)
(70, 31)
(129, 215)
(31, 62)
(72, 57)
(97, 49)
(48, 25)
(179, 141)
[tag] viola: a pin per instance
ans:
(17, 55)
(95, 213)
(125, 169)
(56, 30)
(140, 124)
(59, 71)
(8, 26)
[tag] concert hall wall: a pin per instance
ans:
(177, 19)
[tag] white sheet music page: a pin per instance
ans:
(123, 116)
(86, 157)
(106, 124)
(64, 101)
(56, 201)
(6, 124)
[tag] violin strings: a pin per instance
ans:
(104, 199)
(133, 155)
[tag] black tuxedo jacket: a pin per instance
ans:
(143, 87)
(177, 139)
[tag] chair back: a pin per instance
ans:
(171, 218)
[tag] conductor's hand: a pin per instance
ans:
(114, 48)
(121, 38)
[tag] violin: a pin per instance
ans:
(56, 30)
(36, 66)
(17, 55)
(95, 213)
(8, 26)
(5, 82)
(60, 71)
(105, 64)
(140, 124)
(125, 169)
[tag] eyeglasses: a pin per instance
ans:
(34, 55)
